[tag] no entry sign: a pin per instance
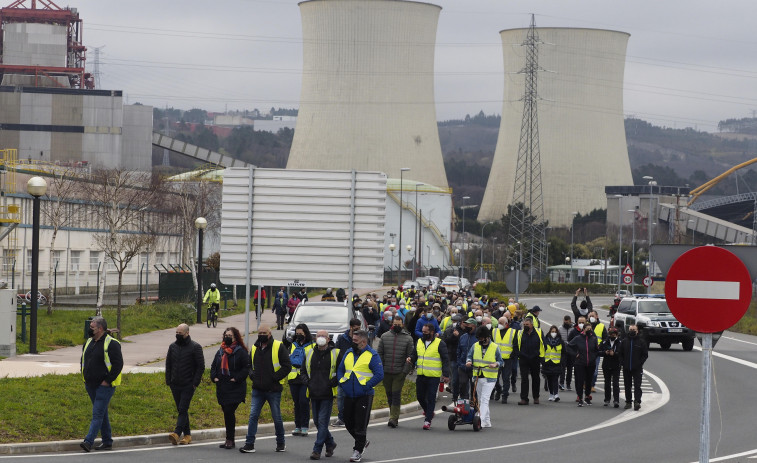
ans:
(708, 289)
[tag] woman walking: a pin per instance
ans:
(229, 371)
(298, 352)
(553, 355)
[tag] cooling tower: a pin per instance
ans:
(367, 99)
(580, 112)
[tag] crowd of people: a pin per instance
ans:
(450, 339)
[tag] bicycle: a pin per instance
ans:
(212, 317)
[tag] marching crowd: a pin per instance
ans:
(452, 339)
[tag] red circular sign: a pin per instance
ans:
(627, 279)
(708, 289)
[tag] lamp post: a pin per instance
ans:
(415, 243)
(409, 248)
(572, 226)
(462, 266)
(633, 248)
(457, 261)
(392, 247)
(517, 274)
(36, 186)
(200, 224)
(494, 246)
(399, 264)
(482, 247)
(692, 231)
(620, 238)
(650, 219)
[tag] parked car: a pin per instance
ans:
(451, 283)
(424, 282)
(464, 283)
(332, 316)
(408, 283)
(621, 293)
(654, 320)
(434, 282)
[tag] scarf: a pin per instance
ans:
(227, 350)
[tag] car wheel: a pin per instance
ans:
(687, 344)
(664, 345)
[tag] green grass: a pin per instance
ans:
(65, 328)
(748, 323)
(56, 407)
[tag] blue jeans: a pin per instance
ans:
(321, 415)
(301, 405)
(100, 397)
(256, 405)
(340, 404)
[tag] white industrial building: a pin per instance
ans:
(580, 113)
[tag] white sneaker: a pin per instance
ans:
(551, 398)
(356, 456)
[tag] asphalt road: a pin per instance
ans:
(665, 430)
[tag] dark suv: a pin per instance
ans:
(654, 320)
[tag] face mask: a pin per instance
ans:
(321, 341)
(355, 346)
(488, 326)
(428, 336)
(263, 338)
(588, 332)
(429, 316)
(459, 306)
(553, 334)
(501, 326)
(180, 338)
(397, 329)
(613, 337)
(527, 328)
(592, 320)
(228, 340)
(567, 325)
(91, 332)
(580, 326)
(479, 318)
(300, 338)
(484, 342)
(468, 329)
(632, 334)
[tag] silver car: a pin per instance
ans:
(333, 317)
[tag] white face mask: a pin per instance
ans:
(592, 320)
(479, 318)
(488, 326)
(553, 334)
(321, 341)
(580, 326)
(501, 326)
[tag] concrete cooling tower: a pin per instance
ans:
(580, 111)
(367, 99)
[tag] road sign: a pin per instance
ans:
(648, 281)
(708, 289)
(628, 270)
(296, 284)
(627, 279)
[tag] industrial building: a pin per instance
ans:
(367, 103)
(580, 121)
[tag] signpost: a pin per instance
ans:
(708, 289)
(648, 281)
(627, 279)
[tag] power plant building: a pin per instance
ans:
(580, 121)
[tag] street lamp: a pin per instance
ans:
(465, 198)
(36, 186)
(572, 226)
(633, 249)
(650, 219)
(399, 266)
(417, 218)
(494, 246)
(392, 247)
(457, 261)
(620, 239)
(517, 274)
(482, 247)
(200, 224)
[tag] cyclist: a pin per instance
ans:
(212, 298)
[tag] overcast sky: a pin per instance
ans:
(689, 63)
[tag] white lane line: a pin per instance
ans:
(659, 400)
(746, 363)
(739, 340)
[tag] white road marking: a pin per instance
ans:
(698, 289)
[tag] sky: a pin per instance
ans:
(689, 63)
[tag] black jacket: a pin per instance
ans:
(584, 349)
(633, 353)
(263, 376)
(320, 381)
(185, 364)
(452, 341)
(575, 308)
(384, 326)
(371, 315)
(530, 345)
(94, 369)
(228, 391)
(610, 362)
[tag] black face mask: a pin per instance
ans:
(180, 338)
(632, 334)
(228, 340)
(91, 333)
(428, 336)
(397, 329)
(262, 338)
(300, 338)
(484, 342)
(468, 329)
(355, 347)
(567, 325)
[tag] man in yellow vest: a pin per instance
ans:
(101, 365)
(485, 360)
(529, 348)
(503, 336)
(270, 368)
(359, 372)
(432, 364)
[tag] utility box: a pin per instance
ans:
(7, 323)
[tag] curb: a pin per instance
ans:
(162, 439)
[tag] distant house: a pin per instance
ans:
(278, 123)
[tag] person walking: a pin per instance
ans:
(464, 371)
(320, 371)
(566, 365)
(101, 365)
(298, 351)
(185, 365)
(503, 335)
(432, 366)
(529, 350)
(359, 372)
(228, 372)
(280, 309)
(553, 355)
(600, 332)
(396, 351)
(485, 360)
(270, 366)
(451, 338)
(608, 350)
(344, 343)
(633, 352)
(584, 348)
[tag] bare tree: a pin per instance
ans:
(58, 213)
(122, 201)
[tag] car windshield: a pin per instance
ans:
(424, 281)
(450, 280)
(316, 314)
(657, 306)
(409, 283)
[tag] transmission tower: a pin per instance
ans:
(527, 224)
(96, 68)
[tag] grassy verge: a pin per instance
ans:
(65, 328)
(748, 323)
(55, 407)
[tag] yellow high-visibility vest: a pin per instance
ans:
(274, 355)
(429, 360)
(483, 361)
(361, 369)
(599, 331)
(332, 367)
(553, 354)
(108, 365)
(296, 370)
(504, 339)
